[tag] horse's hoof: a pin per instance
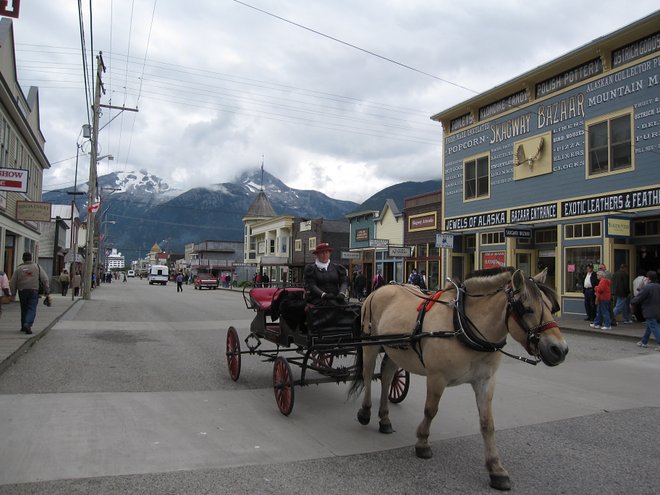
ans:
(385, 428)
(363, 417)
(500, 482)
(423, 452)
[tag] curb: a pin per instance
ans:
(25, 346)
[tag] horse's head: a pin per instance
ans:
(531, 307)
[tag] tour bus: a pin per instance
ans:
(158, 274)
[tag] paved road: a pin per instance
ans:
(129, 392)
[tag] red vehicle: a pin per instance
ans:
(205, 280)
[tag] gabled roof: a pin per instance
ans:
(391, 204)
(261, 207)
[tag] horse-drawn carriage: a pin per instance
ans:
(318, 339)
(452, 337)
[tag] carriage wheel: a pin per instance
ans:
(283, 385)
(233, 354)
(399, 386)
(322, 359)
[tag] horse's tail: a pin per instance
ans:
(358, 380)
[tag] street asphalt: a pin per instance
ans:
(13, 343)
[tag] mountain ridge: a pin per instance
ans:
(147, 210)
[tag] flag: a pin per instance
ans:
(93, 208)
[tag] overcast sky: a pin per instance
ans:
(219, 84)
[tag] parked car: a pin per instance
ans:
(206, 280)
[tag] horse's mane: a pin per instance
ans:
(485, 280)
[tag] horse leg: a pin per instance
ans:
(483, 391)
(388, 369)
(369, 354)
(435, 386)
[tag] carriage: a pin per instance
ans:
(452, 337)
(320, 340)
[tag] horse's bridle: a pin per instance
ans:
(517, 310)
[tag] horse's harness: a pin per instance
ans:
(469, 334)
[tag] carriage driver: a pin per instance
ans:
(326, 283)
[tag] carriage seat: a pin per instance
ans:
(262, 297)
(268, 299)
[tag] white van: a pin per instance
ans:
(130, 273)
(158, 274)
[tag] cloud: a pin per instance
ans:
(218, 84)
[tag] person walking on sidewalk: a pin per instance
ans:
(25, 282)
(603, 297)
(64, 282)
(4, 287)
(179, 282)
(649, 298)
(588, 289)
(76, 280)
(621, 293)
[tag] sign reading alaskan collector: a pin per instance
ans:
(15, 180)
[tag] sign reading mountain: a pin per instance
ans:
(146, 210)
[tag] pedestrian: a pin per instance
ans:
(360, 285)
(416, 279)
(638, 283)
(603, 297)
(179, 282)
(5, 292)
(25, 282)
(75, 283)
(621, 293)
(378, 280)
(93, 280)
(64, 282)
(424, 285)
(125, 278)
(588, 289)
(649, 299)
(265, 280)
(602, 267)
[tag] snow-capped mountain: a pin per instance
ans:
(146, 210)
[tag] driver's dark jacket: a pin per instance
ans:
(332, 281)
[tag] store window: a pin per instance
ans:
(545, 236)
(477, 178)
(609, 145)
(581, 230)
(492, 238)
(311, 243)
(577, 259)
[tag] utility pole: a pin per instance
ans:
(91, 214)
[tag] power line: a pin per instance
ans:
(406, 66)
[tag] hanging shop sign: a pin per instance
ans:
(617, 227)
(400, 252)
(33, 211)
(12, 179)
(520, 233)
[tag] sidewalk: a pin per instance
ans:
(13, 343)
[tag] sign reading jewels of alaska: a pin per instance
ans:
(537, 153)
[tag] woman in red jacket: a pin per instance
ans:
(603, 296)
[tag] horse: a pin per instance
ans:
(455, 337)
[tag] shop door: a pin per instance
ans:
(525, 261)
(457, 266)
(547, 259)
(625, 255)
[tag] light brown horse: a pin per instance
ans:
(471, 324)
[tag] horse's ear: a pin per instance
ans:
(518, 281)
(540, 277)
